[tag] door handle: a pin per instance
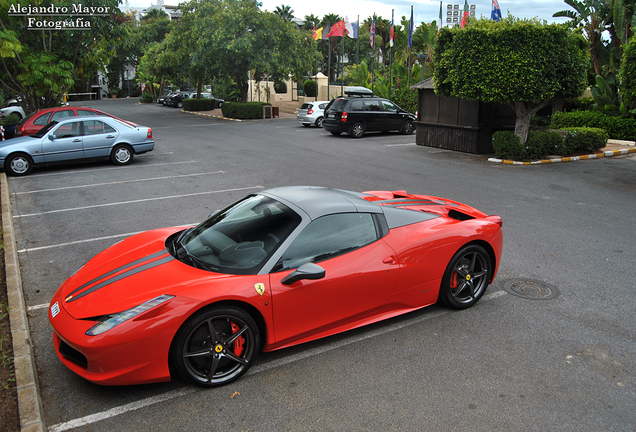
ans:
(110, 136)
(77, 140)
(389, 260)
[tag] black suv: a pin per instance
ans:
(360, 111)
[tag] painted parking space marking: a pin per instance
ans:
(135, 201)
(118, 182)
(137, 166)
(400, 145)
(123, 409)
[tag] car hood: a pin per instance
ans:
(127, 274)
(17, 141)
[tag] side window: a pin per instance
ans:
(389, 106)
(68, 130)
(94, 127)
(86, 113)
(43, 120)
(356, 105)
(328, 237)
(372, 105)
(322, 106)
(59, 115)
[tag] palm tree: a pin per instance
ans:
(285, 12)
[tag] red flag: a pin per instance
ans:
(338, 29)
(464, 20)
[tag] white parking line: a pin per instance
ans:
(77, 242)
(101, 169)
(93, 418)
(118, 182)
(400, 145)
(135, 201)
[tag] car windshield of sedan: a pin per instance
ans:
(44, 130)
(239, 239)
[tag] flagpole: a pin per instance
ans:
(342, 65)
(391, 55)
(373, 54)
(410, 41)
(329, 70)
(358, 43)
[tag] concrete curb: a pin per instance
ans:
(26, 377)
(211, 115)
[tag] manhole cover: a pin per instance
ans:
(531, 289)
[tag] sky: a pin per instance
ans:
(423, 11)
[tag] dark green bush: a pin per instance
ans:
(542, 143)
(586, 140)
(146, 98)
(248, 110)
(406, 99)
(311, 88)
(621, 128)
(199, 104)
(280, 87)
(578, 104)
(11, 119)
(507, 146)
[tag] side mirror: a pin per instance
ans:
(51, 137)
(308, 271)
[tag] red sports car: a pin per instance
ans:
(278, 268)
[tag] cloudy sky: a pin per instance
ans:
(423, 11)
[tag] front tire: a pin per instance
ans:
(122, 154)
(466, 277)
(357, 130)
(19, 164)
(216, 346)
(408, 127)
(319, 122)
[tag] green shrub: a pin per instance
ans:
(146, 98)
(199, 104)
(542, 143)
(586, 140)
(578, 104)
(11, 119)
(310, 88)
(628, 74)
(621, 128)
(406, 99)
(507, 146)
(248, 110)
(280, 87)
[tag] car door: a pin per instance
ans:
(360, 274)
(391, 118)
(98, 138)
(63, 142)
(373, 114)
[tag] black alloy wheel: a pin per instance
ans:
(357, 130)
(466, 277)
(216, 346)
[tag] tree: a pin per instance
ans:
(286, 13)
(522, 63)
(40, 65)
(628, 75)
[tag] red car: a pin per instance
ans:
(37, 120)
(277, 268)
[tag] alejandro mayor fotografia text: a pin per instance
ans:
(53, 16)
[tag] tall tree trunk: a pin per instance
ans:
(525, 111)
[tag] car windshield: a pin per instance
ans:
(239, 239)
(44, 130)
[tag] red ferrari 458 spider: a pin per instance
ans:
(278, 268)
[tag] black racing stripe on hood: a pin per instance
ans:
(130, 272)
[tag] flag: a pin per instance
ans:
(317, 34)
(495, 15)
(325, 30)
(439, 26)
(352, 29)
(338, 29)
(372, 34)
(464, 20)
(411, 29)
(391, 30)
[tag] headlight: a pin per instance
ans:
(109, 321)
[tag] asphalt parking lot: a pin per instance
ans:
(508, 364)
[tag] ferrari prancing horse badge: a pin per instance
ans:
(260, 288)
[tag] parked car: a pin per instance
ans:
(176, 100)
(12, 109)
(166, 101)
(312, 113)
(74, 138)
(219, 101)
(278, 268)
(37, 120)
(361, 111)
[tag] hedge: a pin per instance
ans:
(620, 128)
(628, 74)
(248, 110)
(199, 104)
(311, 88)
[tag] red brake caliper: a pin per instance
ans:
(453, 280)
(238, 343)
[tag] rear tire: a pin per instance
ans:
(122, 154)
(357, 130)
(319, 122)
(466, 277)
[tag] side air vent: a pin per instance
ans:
(459, 215)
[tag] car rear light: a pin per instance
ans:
(496, 219)
(344, 116)
(149, 133)
(310, 111)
